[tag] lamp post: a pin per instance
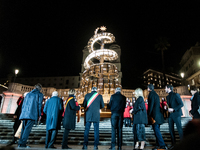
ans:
(182, 74)
(183, 80)
(16, 72)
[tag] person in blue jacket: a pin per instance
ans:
(52, 109)
(31, 111)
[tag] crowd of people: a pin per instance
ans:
(138, 113)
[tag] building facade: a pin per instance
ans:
(157, 79)
(190, 62)
(61, 82)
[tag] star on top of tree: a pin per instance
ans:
(103, 28)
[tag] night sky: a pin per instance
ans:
(47, 38)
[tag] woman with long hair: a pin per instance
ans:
(139, 120)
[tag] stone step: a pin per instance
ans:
(76, 137)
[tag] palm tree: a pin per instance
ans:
(162, 45)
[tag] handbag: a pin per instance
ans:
(151, 121)
(19, 130)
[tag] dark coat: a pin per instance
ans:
(117, 103)
(154, 107)
(52, 109)
(60, 116)
(195, 105)
(139, 112)
(93, 112)
(32, 104)
(69, 120)
(174, 101)
(18, 113)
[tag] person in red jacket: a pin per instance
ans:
(127, 118)
(163, 106)
(146, 104)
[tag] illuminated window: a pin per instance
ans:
(155, 79)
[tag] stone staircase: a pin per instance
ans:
(76, 137)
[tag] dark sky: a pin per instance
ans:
(47, 38)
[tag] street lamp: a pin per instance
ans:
(16, 72)
(183, 79)
(182, 74)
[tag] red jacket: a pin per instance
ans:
(126, 112)
(163, 103)
(146, 105)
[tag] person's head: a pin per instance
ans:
(138, 92)
(193, 89)
(168, 88)
(150, 87)
(94, 88)
(71, 92)
(55, 93)
(118, 89)
(38, 86)
(25, 94)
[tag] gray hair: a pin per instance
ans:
(38, 86)
(94, 88)
(55, 93)
(72, 92)
(118, 89)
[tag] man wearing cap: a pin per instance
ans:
(52, 110)
(31, 110)
(117, 105)
(93, 102)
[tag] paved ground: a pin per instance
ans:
(74, 147)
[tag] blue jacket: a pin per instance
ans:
(31, 108)
(52, 110)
